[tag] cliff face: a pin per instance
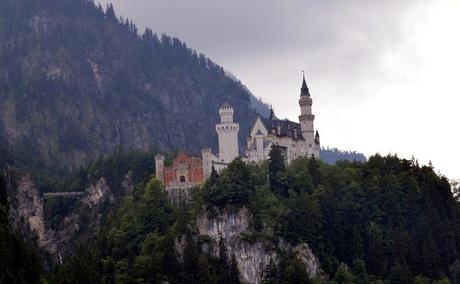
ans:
(27, 209)
(26, 214)
(252, 257)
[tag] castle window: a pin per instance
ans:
(182, 178)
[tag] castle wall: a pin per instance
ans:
(184, 170)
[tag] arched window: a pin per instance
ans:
(182, 178)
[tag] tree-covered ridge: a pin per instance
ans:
(388, 220)
(138, 245)
(333, 155)
(77, 83)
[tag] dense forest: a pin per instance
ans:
(387, 220)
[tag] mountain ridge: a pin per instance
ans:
(76, 83)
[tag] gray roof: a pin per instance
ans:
(304, 90)
(287, 128)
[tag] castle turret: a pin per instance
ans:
(317, 145)
(306, 119)
(159, 167)
(227, 131)
(206, 156)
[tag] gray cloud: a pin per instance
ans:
(361, 59)
(338, 39)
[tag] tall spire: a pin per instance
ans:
(304, 90)
(272, 113)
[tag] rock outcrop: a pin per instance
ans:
(252, 256)
(26, 214)
(27, 205)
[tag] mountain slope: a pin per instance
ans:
(77, 83)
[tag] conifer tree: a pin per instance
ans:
(234, 277)
(223, 268)
(276, 167)
(343, 276)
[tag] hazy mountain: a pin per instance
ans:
(76, 83)
(333, 155)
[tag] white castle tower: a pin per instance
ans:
(227, 130)
(306, 119)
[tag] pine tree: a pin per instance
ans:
(343, 276)
(223, 268)
(276, 167)
(190, 259)
(205, 275)
(234, 277)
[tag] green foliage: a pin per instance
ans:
(385, 221)
(233, 187)
(144, 213)
(276, 167)
(454, 272)
(343, 276)
(289, 270)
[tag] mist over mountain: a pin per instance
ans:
(77, 82)
(333, 155)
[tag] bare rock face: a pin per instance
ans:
(26, 213)
(179, 194)
(28, 206)
(252, 257)
(96, 193)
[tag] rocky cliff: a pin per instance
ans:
(252, 256)
(26, 214)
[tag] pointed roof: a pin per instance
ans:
(317, 138)
(272, 113)
(259, 132)
(304, 90)
(284, 128)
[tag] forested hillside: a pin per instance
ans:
(384, 221)
(76, 83)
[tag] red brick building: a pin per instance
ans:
(186, 170)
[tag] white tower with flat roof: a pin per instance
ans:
(227, 131)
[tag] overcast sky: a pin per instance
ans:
(384, 75)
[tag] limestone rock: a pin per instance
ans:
(252, 257)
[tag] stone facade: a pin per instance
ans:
(297, 139)
(186, 171)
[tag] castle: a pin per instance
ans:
(295, 140)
